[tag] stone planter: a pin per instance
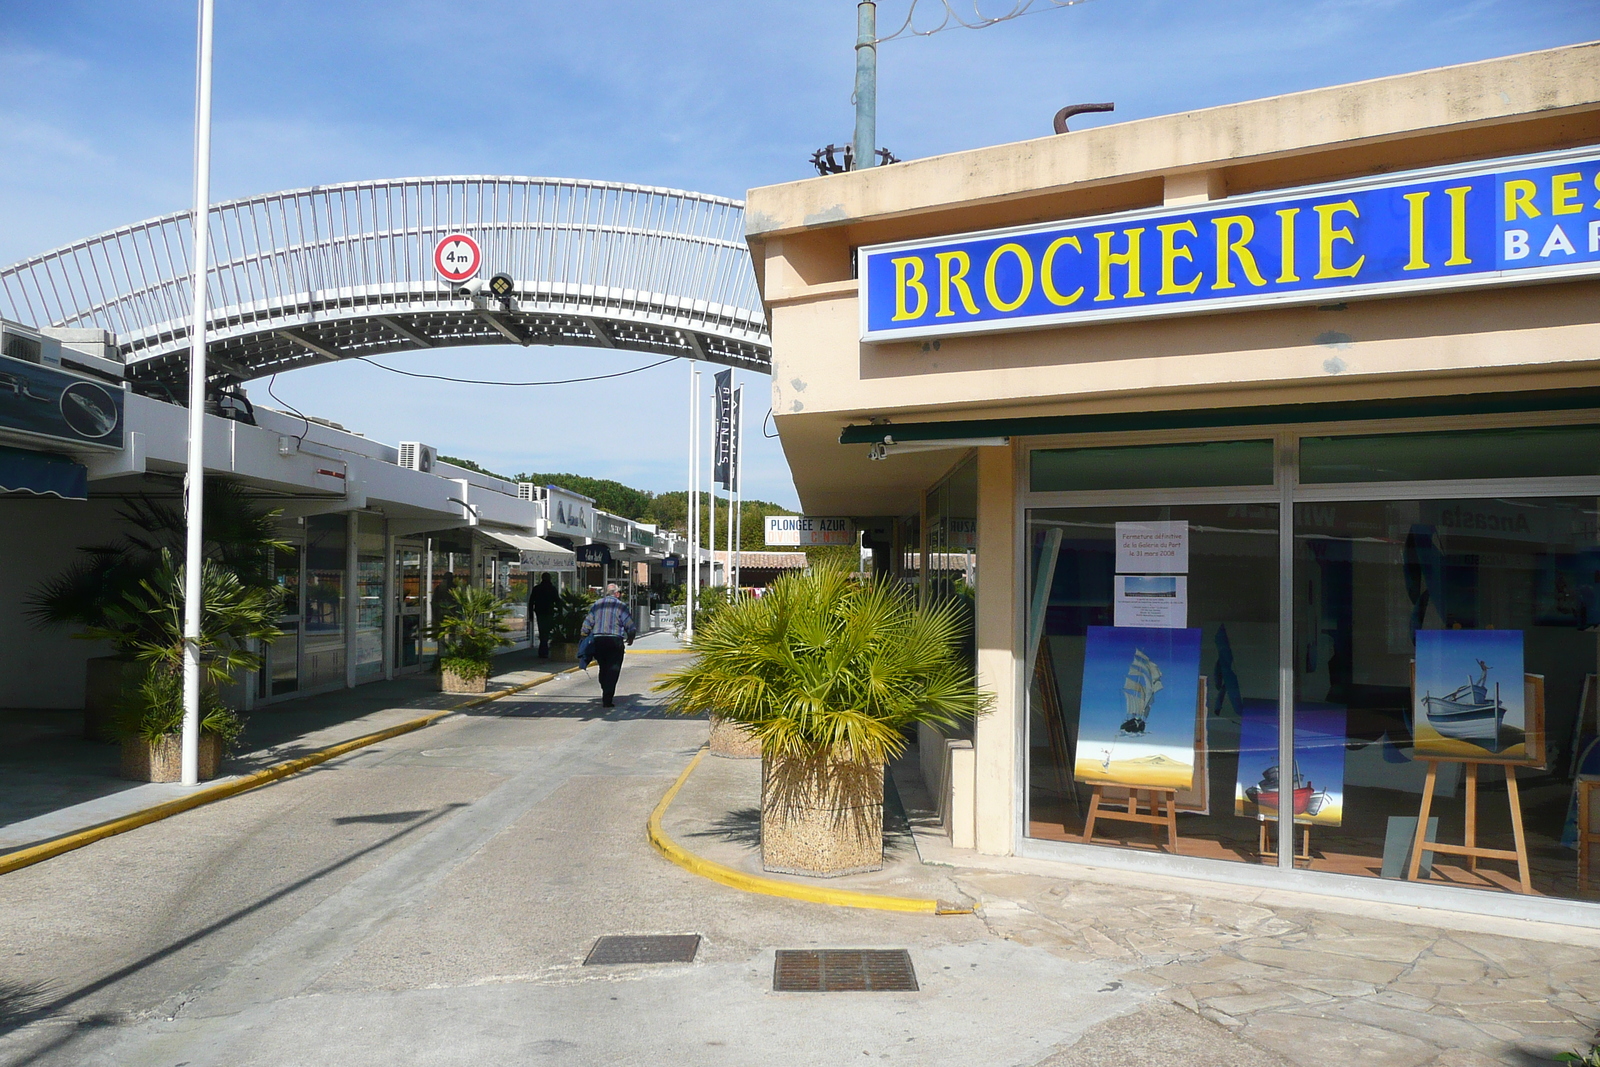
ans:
(451, 682)
(565, 651)
(732, 740)
(106, 678)
(163, 761)
(821, 816)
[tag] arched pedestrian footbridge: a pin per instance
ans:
(335, 271)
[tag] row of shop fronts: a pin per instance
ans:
(1264, 444)
(376, 535)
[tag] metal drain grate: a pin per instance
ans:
(653, 948)
(843, 970)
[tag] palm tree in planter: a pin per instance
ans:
(468, 635)
(147, 620)
(827, 673)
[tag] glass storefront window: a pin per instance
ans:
(1205, 463)
(1153, 633)
(367, 646)
(1459, 631)
(1521, 452)
(950, 559)
(323, 654)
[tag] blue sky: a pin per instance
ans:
(97, 108)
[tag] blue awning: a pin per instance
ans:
(42, 474)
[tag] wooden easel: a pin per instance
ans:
(1470, 847)
(1165, 797)
(1271, 853)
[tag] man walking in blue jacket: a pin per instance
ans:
(611, 626)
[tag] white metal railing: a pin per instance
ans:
(362, 249)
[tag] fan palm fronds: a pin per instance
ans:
(824, 662)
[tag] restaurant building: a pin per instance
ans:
(1264, 441)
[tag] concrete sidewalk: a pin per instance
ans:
(54, 783)
(1292, 978)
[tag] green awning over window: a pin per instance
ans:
(42, 474)
(1213, 418)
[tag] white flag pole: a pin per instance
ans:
(194, 484)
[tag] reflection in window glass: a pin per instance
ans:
(1458, 631)
(1166, 700)
(1076, 470)
(1527, 452)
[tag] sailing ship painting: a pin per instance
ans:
(1317, 789)
(1469, 694)
(1136, 723)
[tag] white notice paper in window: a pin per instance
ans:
(1153, 547)
(1159, 601)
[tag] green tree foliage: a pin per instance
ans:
(467, 464)
(825, 663)
(608, 495)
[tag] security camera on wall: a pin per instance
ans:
(470, 289)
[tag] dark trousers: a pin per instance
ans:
(546, 620)
(607, 652)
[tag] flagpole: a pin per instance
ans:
(194, 484)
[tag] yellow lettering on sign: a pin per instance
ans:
(1458, 226)
(1416, 262)
(1231, 248)
(1286, 240)
(1562, 194)
(1130, 259)
(1171, 252)
(1519, 198)
(1327, 234)
(954, 279)
(1027, 277)
(1047, 280)
(908, 275)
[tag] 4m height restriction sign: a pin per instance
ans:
(457, 257)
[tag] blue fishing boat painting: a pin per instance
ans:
(1469, 694)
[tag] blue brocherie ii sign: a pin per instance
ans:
(1510, 221)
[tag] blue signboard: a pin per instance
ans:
(1510, 221)
(48, 403)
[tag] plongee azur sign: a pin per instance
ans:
(1510, 221)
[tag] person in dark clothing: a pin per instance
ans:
(610, 624)
(542, 603)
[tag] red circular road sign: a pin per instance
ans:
(457, 257)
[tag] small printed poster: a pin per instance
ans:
(1158, 601)
(1153, 547)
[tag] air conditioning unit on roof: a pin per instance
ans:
(414, 455)
(527, 491)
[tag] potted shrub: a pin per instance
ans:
(468, 635)
(148, 621)
(570, 612)
(239, 536)
(827, 673)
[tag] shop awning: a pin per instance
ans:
(42, 474)
(1405, 407)
(536, 552)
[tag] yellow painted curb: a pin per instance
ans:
(27, 857)
(754, 883)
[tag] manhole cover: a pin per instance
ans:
(843, 970)
(655, 948)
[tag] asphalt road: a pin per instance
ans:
(430, 900)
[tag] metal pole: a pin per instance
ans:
(866, 142)
(738, 486)
(727, 563)
(692, 509)
(195, 482)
